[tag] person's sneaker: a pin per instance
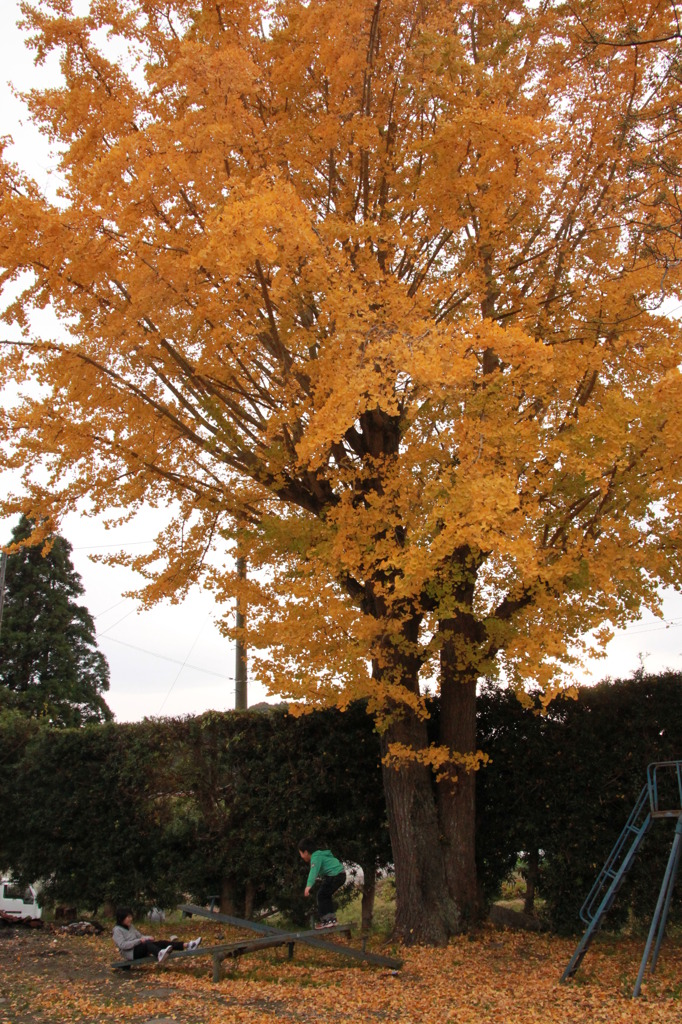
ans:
(326, 922)
(194, 943)
(164, 954)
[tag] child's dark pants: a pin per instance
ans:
(152, 947)
(325, 904)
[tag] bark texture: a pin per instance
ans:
(425, 913)
(457, 799)
(369, 889)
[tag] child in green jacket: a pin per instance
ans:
(325, 866)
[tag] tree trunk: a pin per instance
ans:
(249, 899)
(457, 799)
(531, 873)
(425, 912)
(228, 901)
(369, 889)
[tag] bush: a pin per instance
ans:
(151, 812)
(565, 783)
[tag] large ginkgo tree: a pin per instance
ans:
(378, 291)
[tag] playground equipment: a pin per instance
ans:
(267, 938)
(310, 938)
(660, 798)
(225, 950)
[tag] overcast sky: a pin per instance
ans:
(173, 660)
(168, 661)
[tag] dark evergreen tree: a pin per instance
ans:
(50, 667)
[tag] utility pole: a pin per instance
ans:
(240, 677)
(3, 569)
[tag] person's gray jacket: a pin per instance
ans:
(126, 939)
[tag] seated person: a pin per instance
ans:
(134, 945)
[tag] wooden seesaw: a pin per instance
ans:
(268, 938)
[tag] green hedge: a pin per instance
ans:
(565, 783)
(154, 812)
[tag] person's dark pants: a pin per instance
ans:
(152, 947)
(325, 903)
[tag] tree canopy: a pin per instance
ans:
(378, 288)
(50, 667)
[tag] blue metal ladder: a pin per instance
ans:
(603, 893)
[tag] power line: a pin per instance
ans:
(636, 630)
(111, 608)
(180, 670)
(118, 621)
(174, 661)
(102, 547)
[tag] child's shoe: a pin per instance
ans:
(164, 954)
(194, 943)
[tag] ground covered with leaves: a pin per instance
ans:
(490, 977)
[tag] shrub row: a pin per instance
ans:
(154, 812)
(560, 788)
